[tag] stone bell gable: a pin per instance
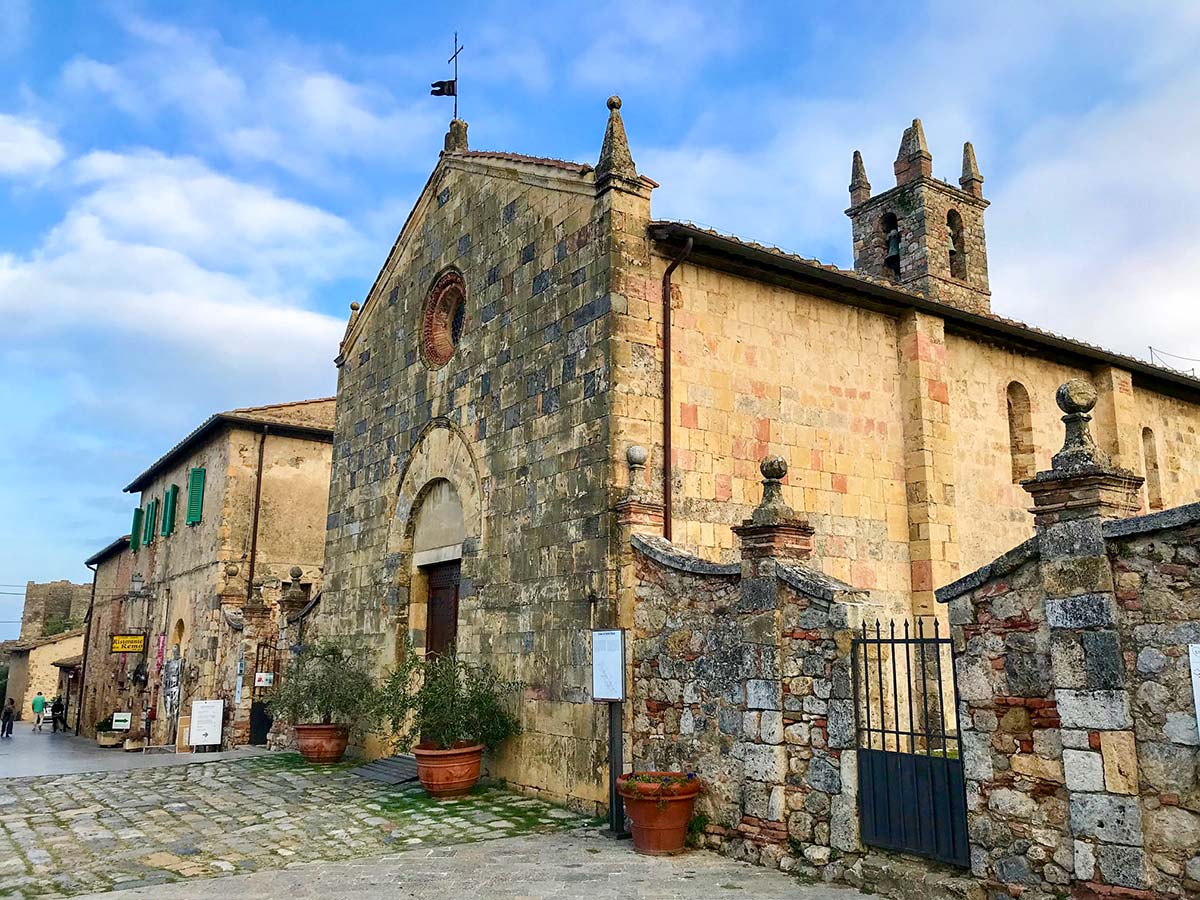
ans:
(923, 234)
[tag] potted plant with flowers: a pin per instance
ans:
(659, 805)
(326, 690)
(447, 712)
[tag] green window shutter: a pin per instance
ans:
(195, 507)
(135, 530)
(168, 513)
(151, 521)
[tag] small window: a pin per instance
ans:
(195, 505)
(170, 501)
(443, 319)
(958, 245)
(889, 232)
(1020, 433)
(151, 522)
(1154, 497)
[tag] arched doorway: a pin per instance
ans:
(437, 549)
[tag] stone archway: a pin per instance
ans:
(437, 525)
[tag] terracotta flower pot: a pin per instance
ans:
(448, 773)
(322, 744)
(659, 812)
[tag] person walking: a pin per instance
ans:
(58, 714)
(7, 716)
(39, 709)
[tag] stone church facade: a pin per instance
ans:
(511, 353)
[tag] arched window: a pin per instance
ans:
(889, 231)
(1020, 433)
(1154, 495)
(958, 246)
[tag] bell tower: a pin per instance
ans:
(924, 234)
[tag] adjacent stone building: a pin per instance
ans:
(227, 532)
(45, 655)
(533, 321)
(53, 607)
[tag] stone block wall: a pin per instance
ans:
(741, 673)
(1080, 740)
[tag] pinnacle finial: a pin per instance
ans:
(1076, 398)
(772, 510)
(971, 181)
(913, 160)
(860, 188)
(615, 158)
(456, 137)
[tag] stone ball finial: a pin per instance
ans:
(354, 306)
(773, 467)
(637, 455)
(1076, 396)
(231, 570)
(295, 572)
(614, 102)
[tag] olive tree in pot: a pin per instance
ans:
(325, 691)
(447, 712)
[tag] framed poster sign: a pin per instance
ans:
(206, 722)
(608, 665)
(121, 721)
(128, 643)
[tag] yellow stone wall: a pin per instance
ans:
(896, 434)
(761, 369)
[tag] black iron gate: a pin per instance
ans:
(266, 661)
(912, 796)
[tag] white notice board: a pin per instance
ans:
(121, 721)
(206, 722)
(1194, 662)
(608, 665)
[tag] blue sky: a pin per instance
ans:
(190, 198)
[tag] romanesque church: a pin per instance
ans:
(543, 368)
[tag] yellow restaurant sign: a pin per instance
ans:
(128, 643)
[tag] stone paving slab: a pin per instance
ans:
(73, 834)
(575, 865)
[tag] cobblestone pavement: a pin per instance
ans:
(73, 834)
(32, 752)
(575, 865)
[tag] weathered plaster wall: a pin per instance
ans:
(33, 670)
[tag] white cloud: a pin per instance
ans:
(262, 104)
(26, 148)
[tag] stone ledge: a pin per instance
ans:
(1167, 518)
(999, 566)
(816, 584)
(665, 553)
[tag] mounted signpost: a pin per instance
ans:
(608, 685)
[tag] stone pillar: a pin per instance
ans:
(1087, 670)
(928, 458)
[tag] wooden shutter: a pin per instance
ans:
(151, 521)
(195, 507)
(135, 530)
(170, 501)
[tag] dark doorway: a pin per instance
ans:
(266, 663)
(441, 623)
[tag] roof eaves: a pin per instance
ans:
(889, 295)
(100, 555)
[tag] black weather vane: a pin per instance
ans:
(449, 88)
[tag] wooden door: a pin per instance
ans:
(441, 623)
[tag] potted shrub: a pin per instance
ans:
(447, 713)
(105, 736)
(659, 805)
(325, 691)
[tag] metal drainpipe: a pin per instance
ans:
(666, 302)
(87, 643)
(262, 444)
